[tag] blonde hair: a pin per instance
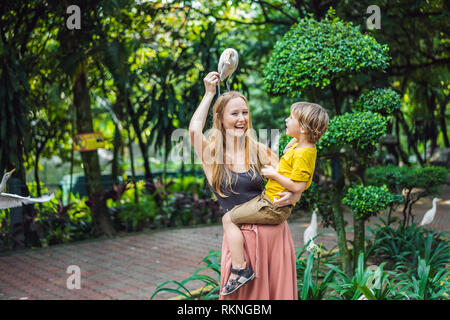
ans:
(220, 171)
(311, 117)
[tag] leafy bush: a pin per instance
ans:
(282, 143)
(429, 178)
(179, 202)
(427, 181)
(358, 130)
(308, 289)
(403, 246)
(361, 284)
(318, 278)
(424, 283)
(131, 216)
(314, 53)
(366, 201)
(52, 222)
(382, 101)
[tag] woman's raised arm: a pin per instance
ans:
(198, 120)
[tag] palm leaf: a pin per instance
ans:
(366, 292)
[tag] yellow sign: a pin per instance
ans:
(88, 141)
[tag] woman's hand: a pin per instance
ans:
(269, 172)
(211, 80)
(287, 198)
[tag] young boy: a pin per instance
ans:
(306, 125)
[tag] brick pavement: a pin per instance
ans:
(131, 266)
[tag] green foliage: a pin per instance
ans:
(282, 143)
(361, 131)
(183, 203)
(192, 184)
(315, 198)
(424, 283)
(382, 101)
(366, 201)
(136, 216)
(319, 278)
(403, 246)
(375, 285)
(314, 53)
(55, 223)
(310, 289)
(429, 178)
(14, 127)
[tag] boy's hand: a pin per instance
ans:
(269, 172)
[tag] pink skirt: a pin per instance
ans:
(271, 253)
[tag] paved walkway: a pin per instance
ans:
(132, 266)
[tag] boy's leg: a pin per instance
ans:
(235, 241)
(241, 273)
(259, 210)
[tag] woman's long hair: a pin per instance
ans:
(221, 172)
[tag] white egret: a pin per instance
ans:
(311, 232)
(429, 215)
(8, 200)
(228, 63)
(374, 280)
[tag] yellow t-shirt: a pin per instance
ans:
(296, 164)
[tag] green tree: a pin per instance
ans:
(76, 49)
(321, 54)
(366, 201)
(17, 61)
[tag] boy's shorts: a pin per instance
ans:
(259, 210)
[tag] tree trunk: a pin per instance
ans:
(402, 154)
(142, 145)
(72, 158)
(335, 92)
(36, 174)
(118, 147)
(133, 174)
(409, 135)
(358, 238)
(91, 165)
(116, 169)
(340, 231)
(442, 105)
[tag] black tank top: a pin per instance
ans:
(245, 188)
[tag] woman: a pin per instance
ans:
(231, 160)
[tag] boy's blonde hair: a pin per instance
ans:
(311, 117)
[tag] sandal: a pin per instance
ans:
(243, 276)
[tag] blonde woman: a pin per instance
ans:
(232, 160)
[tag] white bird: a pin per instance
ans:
(374, 280)
(429, 215)
(311, 232)
(8, 200)
(228, 63)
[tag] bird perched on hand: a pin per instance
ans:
(228, 63)
(429, 215)
(311, 232)
(8, 200)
